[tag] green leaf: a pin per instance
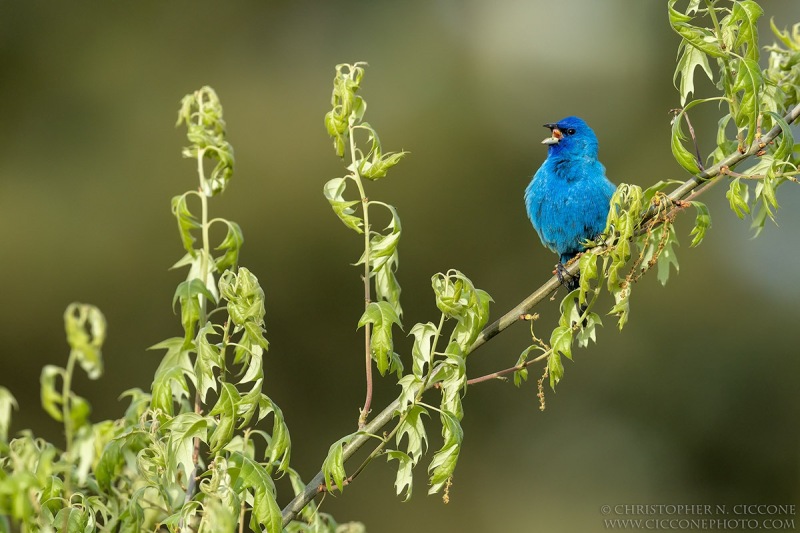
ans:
(749, 81)
(745, 14)
(225, 410)
(73, 520)
(201, 111)
(334, 190)
(691, 58)
(378, 166)
(444, 461)
(280, 446)
(457, 297)
(413, 427)
(382, 316)
(169, 384)
(555, 369)
(786, 144)
(333, 465)
(7, 402)
(254, 476)
(52, 400)
(588, 330)
(724, 146)
(522, 374)
(232, 244)
(700, 38)
(422, 351)
(208, 358)
(85, 326)
(701, 223)
(386, 285)
(683, 156)
(186, 221)
(588, 272)
(188, 293)
(182, 431)
(410, 387)
(622, 307)
(738, 196)
(245, 298)
(114, 456)
(561, 340)
(404, 481)
(667, 256)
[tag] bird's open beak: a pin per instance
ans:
(555, 136)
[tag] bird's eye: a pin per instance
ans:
(571, 131)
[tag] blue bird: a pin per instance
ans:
(568, 198)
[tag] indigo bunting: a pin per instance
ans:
(568, 198)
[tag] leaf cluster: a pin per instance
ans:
(756, 98)
(187, 454)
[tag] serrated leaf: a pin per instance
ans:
(382, 316)
(738, 196)
(333, 465)
(691, 58)
(622, 307)
(444, 461)
(379, 166)
(522, 374)
(266, 512)
(169, 382)
(232, 244)
(588, 330)
(188, 293)
(182, 431)
(386, 285)
(786, 144)
(404, 481)
(186, 221)
(745, 14)
(683, 156)
(422, 350)
(561, 340)
(333, 191)
(208, 358)
(700, 38)
(749, 81)
(225, 410)
(667, 257)
(413, 428)
(701, 223)
(280, 445)
(85, 326)
(588, 272)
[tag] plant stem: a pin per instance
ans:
(362, 419)
(67, 415)
(191, 486)
(65, 401)
(243, 507)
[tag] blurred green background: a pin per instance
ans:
(695, 402)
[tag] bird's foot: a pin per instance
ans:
(565, 278)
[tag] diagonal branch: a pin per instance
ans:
(314, 487)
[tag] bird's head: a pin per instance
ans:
(571, 136)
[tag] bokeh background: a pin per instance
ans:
(695, 402)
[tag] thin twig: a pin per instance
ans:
(312, 489)
(694, 141)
